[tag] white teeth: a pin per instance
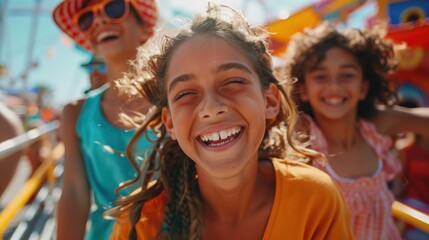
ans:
(223, 135)
(104, 35)
(215, 136)
(334, 100)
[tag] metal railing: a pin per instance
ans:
(20, 142)
(399, 210)
(411, 216)
(42, 173)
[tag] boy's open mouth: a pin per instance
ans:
(107, 36)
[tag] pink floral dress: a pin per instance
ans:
(369, 199)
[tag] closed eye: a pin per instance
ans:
(348, 75)
(232, 85)
(183, 94)
(234, 81)
(319, 77)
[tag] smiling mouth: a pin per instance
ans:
(216, 139)
(107, 36)
(334, 101)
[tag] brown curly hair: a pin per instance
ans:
(177, 172)
(374, 54)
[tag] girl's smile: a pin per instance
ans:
(335, 86)
(217, 141)
(216, 105)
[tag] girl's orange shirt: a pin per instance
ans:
(307, 205)
(152, 216)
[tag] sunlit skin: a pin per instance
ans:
(348, 97)
(97, 79)
(333, 90)
(213, 90)
(11, 127)
(116, 44)
(335, 86)
(115, 41)
(210, 91)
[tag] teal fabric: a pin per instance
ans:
(103, 146)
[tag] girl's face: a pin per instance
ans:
(217, 108)
(335, 86)
(110, 39)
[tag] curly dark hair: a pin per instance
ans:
(374, 54)
(177, 172)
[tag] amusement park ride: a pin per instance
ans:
(408, 22)
(30, 63)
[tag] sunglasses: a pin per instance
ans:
(99, 67)
(115, 11)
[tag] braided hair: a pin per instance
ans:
(177, 172)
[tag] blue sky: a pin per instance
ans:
(58, 61)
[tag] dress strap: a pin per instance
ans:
(383, 146)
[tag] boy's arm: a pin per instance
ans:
(74, 203)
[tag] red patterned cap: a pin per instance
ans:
(63, 16)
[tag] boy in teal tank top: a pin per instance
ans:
(94, 135)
